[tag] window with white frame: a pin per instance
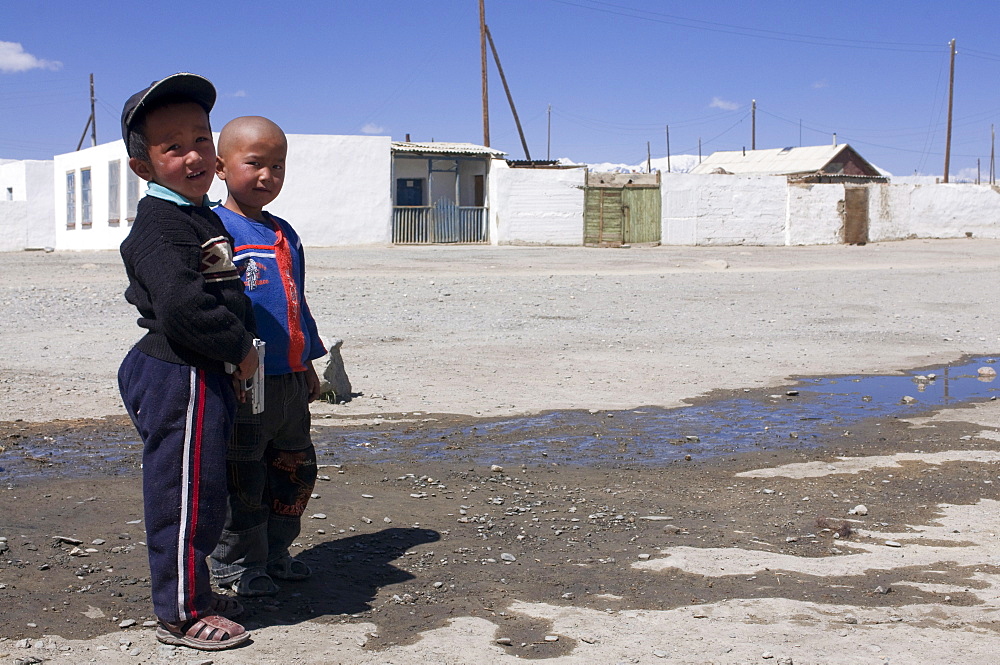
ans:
(86, 220)
(114, 192)
(132, 194)
(71, 200)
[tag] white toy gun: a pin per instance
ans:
(254, 386)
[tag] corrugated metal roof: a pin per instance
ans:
(776, 161)
(444, 147)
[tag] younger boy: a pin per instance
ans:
(272, 461)
(178, 258)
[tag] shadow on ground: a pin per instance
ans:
(347, 575)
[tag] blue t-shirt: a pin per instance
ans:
(271, 262)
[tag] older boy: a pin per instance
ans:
(272, 461)
(178, 258)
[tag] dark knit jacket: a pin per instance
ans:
(182, 279)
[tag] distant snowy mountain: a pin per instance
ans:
(684, 164)
(678, 164)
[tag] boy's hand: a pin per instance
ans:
(247, 366)
(241, 395)
(312, 382)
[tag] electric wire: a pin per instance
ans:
(815, 40)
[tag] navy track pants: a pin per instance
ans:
(185, 418)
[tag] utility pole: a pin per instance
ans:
(91, 121)
(668, 149)
(510, 98)
(753, 124)
(649, 159)
(93, 116)
(548, 136)
(482, 54)
(951, 97)
(800, 132)
(993, 141)
(699, 150)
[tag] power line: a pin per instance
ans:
(983, 55)
(721, 134)
(601, 124)
(759, 33)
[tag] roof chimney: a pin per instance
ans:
(407, 137)
(835, 139)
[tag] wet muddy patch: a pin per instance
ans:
(804, 414)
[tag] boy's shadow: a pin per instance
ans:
(346, 576)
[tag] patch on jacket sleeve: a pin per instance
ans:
(217, 260)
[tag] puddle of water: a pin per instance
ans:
(822, 409)
(70, 454)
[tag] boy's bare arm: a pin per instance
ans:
(312, 382)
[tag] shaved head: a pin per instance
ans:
(246, 130)
(251, 160)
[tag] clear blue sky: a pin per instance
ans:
(615, 72)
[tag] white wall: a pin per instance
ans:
(13, 225)
(814, 214)
(13, 210)
(936, 211)
(38, 183)
(12, 176)
(723, 209)
(764, 210)
(337, 191)
(29, 182)
(536, 206)
(889, 212)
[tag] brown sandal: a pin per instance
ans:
(225, 606)
(211, 633)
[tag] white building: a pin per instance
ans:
(26, 205)
(95, 194)
(336, 192)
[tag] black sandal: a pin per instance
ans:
(225, 606)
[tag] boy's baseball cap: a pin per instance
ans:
(198, 88)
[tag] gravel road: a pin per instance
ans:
(755, 557)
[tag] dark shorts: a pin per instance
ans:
(283, 425)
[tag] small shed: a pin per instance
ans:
(808, 164)
(440, 192)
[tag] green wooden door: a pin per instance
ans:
(642, 215)
(603, 217)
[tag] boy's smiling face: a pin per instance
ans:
(251, 160)
(181, 150)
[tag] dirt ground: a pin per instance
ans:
(432, 555)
